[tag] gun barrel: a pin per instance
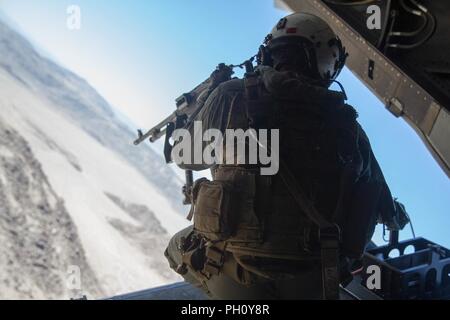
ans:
(152, 135)
(156, 132)
(141, 137)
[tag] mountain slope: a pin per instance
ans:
(122, 199)
(73, 97)
(39, 239)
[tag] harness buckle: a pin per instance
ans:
(330, 237)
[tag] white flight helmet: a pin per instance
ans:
(324, 48)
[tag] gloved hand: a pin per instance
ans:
(221, 74)
(402, 216)
(399, 219)
(276, 82)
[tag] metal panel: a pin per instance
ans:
(175, 291)
(401, 94)
(440, 133)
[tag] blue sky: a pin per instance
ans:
(141, 55)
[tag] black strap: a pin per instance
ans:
(194, 192)
(215, 258)
(329, 235)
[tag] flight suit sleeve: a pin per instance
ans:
(387, 207)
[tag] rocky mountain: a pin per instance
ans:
(75, 193)
(39, 240)
(73, 97)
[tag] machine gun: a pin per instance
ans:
(188, 105)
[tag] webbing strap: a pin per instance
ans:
(329, 254)
(303, 202)
(215, 255)
(329, 235)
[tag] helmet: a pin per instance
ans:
(323, 49)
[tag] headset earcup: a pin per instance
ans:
(264, 58)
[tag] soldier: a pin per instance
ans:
(292, 234)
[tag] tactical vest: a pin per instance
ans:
(257, 215)
(316, 209)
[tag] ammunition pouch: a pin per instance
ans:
(213, 209)
(192, 253)
(204, 258)
(247, 225)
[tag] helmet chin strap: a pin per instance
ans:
(341, 87)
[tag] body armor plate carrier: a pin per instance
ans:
(314, 208)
